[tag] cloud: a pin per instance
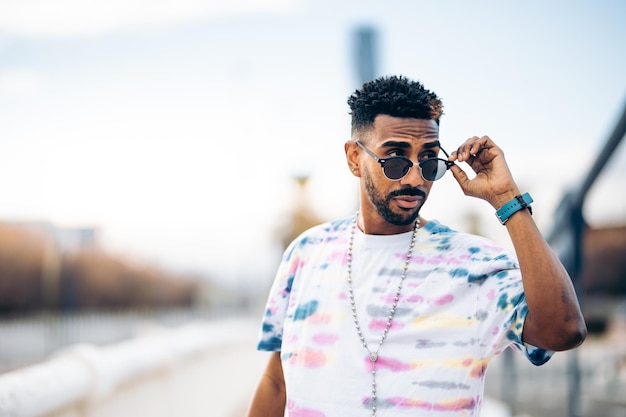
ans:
(63, 18)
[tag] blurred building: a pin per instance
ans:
(603, 276)
(66, 239)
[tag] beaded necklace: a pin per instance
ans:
(373, 354)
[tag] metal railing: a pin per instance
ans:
(566, 238)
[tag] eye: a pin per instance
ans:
(426, 155)
(395, 152)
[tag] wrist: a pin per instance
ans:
(501, 199)
(519, 202)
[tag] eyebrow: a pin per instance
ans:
(434, 144)
(394, 144)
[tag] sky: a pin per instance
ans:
(176, 127)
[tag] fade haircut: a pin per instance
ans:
(395, 96)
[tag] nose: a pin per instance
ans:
(414, 177)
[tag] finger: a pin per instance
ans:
(460, 176)
(472, 148)
(474, 156)
(483, 143)
(470, 161)
(465, 151)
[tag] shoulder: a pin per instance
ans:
(328, 232)
(448, 239)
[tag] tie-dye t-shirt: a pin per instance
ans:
(462, 302)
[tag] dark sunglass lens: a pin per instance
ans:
(433, 169)
(396, 168)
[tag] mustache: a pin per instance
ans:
(408, 192)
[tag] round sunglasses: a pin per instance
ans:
(396, 167)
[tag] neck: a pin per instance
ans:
(383, 227)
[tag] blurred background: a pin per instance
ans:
(156, 157)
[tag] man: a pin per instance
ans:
(385, 313)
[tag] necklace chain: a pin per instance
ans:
(373, 354)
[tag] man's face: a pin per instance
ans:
(396, 202)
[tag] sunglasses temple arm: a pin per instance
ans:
(370, 153)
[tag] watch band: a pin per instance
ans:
(520, 202)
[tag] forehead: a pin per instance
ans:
(398, 128)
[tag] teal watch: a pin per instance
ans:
(520, 202)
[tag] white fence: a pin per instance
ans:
(32, 338)
(202, 369)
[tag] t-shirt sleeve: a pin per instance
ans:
(537, 356)
(271, 332)
(510, 305)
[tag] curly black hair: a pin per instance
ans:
(395, 96)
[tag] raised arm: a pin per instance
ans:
(554, 319)
(269, 398)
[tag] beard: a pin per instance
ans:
(382, 203)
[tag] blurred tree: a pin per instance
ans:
(301, 216)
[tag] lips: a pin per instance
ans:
(408, 198)
(407, 202)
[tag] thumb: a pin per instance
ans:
(460, 176)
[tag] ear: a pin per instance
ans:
(352, 157)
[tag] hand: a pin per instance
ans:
(493, 181)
